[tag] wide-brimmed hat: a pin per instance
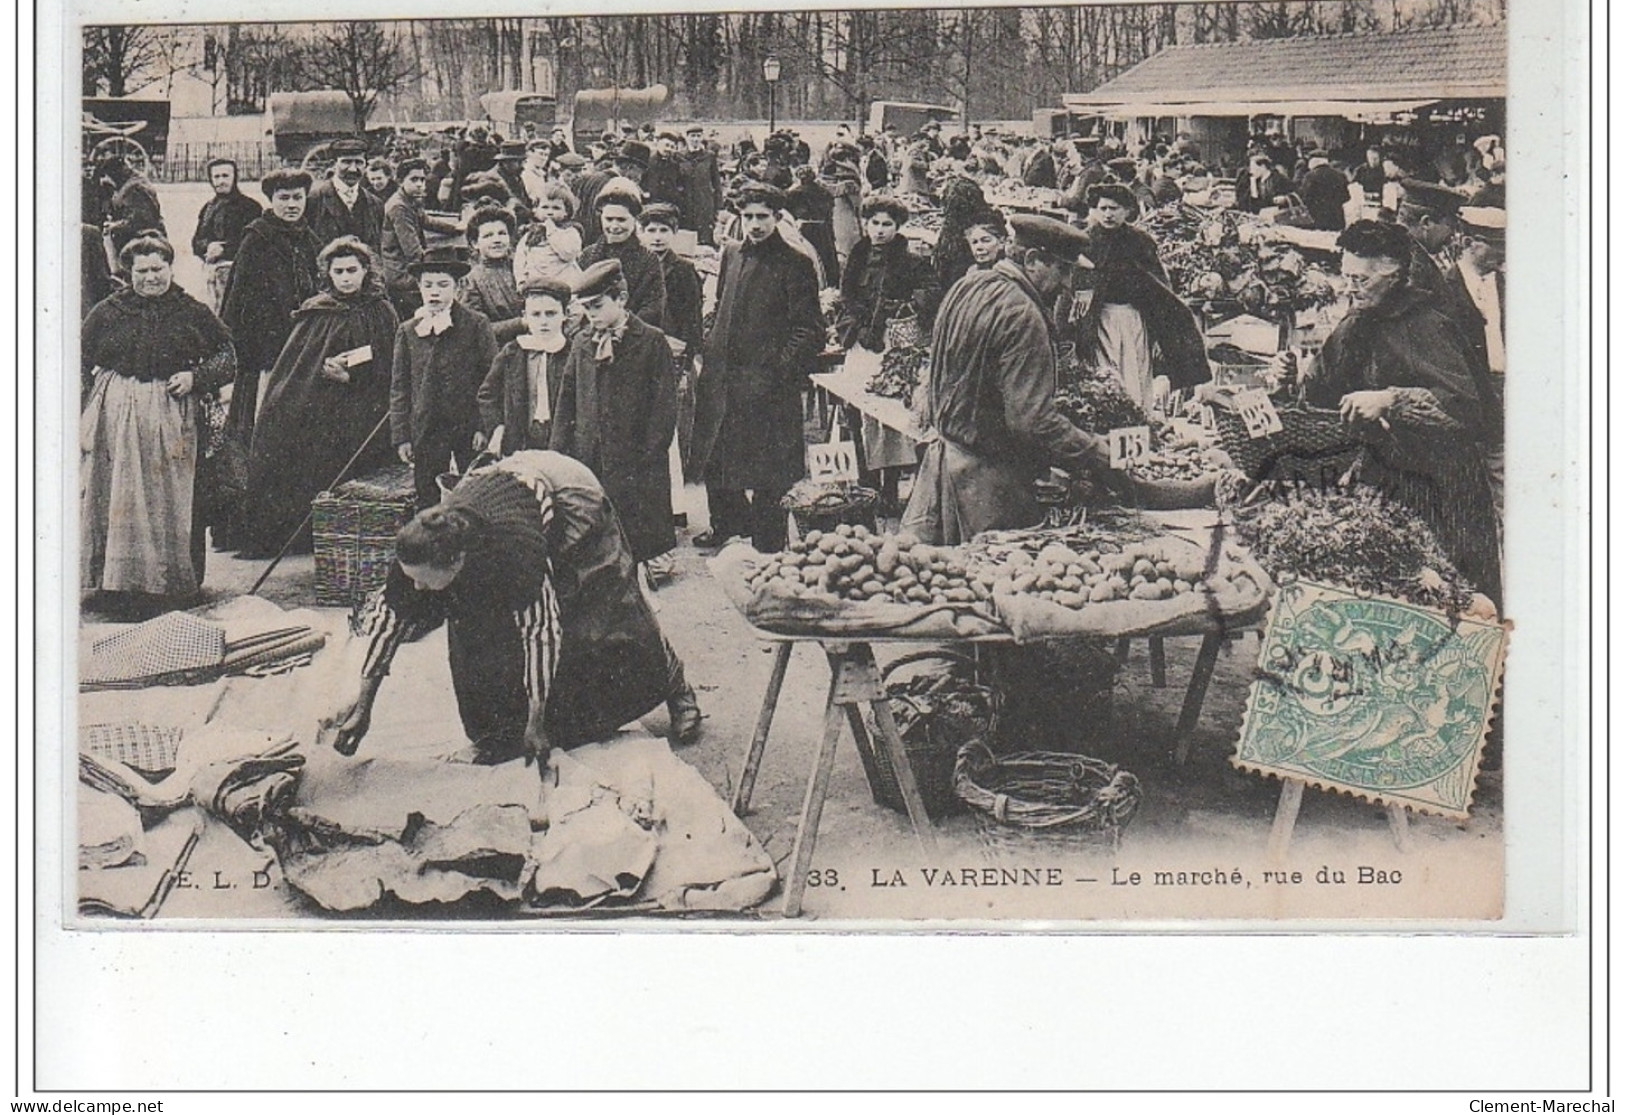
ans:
(442, 261)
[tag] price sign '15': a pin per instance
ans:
(1128, 445)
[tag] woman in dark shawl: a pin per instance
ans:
(149, 353)
(324, 397)
(884, 278)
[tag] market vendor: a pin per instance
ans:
(1398, 369)
(991, 396)
(1135, 324)
(552, 643)
(883, 279)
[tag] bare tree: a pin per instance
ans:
(116, 56)
(363, 60)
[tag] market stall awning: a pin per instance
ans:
(1433, 64)
(1366, 111)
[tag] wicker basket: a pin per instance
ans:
(1044, 793)
(354, 531)
(903, 331)
(934, 728)
(853, 505)
(1310, 437)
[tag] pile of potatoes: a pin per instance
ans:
(854, 563)
(1075, 579)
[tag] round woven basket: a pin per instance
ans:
(854, 506)
(1046, 792)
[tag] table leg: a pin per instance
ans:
(764, 724)
(892, 741)
(812, 810)
(1286, 817)
(1159, 663)
(1122, 650)
(1195, 695)
(866, 750)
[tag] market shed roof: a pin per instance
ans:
(1446, 63)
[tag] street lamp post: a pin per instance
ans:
(770, 72)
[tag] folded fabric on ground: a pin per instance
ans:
(239, 775)
(138, 889)
(244, 636)
(622, 822)
(109, 829)
(170, 644)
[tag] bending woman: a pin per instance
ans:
(552, 643)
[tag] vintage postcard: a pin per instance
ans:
(939, 468)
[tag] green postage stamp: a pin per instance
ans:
(1387, 701)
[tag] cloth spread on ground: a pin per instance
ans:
(620, 822)
(138, 889)
(109, 830)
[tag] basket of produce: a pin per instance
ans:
(939, 708)
(1095, 582)
(1312, 441)
(1356, 538)
(354, 528)
(820, 506)
(851, 582)
(1179, 473)
(902, 369)
(1045, 792)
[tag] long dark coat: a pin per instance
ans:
(329, 218)
(275, 271)
(435, 381)
(881, 283)
(224, 219)
(645, 280)
(1431, 455)
(762, 347)
(614, 665)
(702, 192)
(505, 399)
(991, 398)
(618, 418)
(1128, 272)
(310, 424)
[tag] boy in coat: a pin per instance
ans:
(617, 410)
(442, 353)
(521, 391)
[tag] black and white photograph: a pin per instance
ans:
(923, 465)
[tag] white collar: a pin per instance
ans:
(429, 323)
(347, 194)
(532, 343)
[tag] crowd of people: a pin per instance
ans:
(521, 300)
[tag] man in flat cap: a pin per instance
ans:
(702, 185)
(991, 395)
(1428, 213)
(664, 181)
(748, 446)
(442, 354)
(1135, 324)
(617, 411)
(339, 204)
